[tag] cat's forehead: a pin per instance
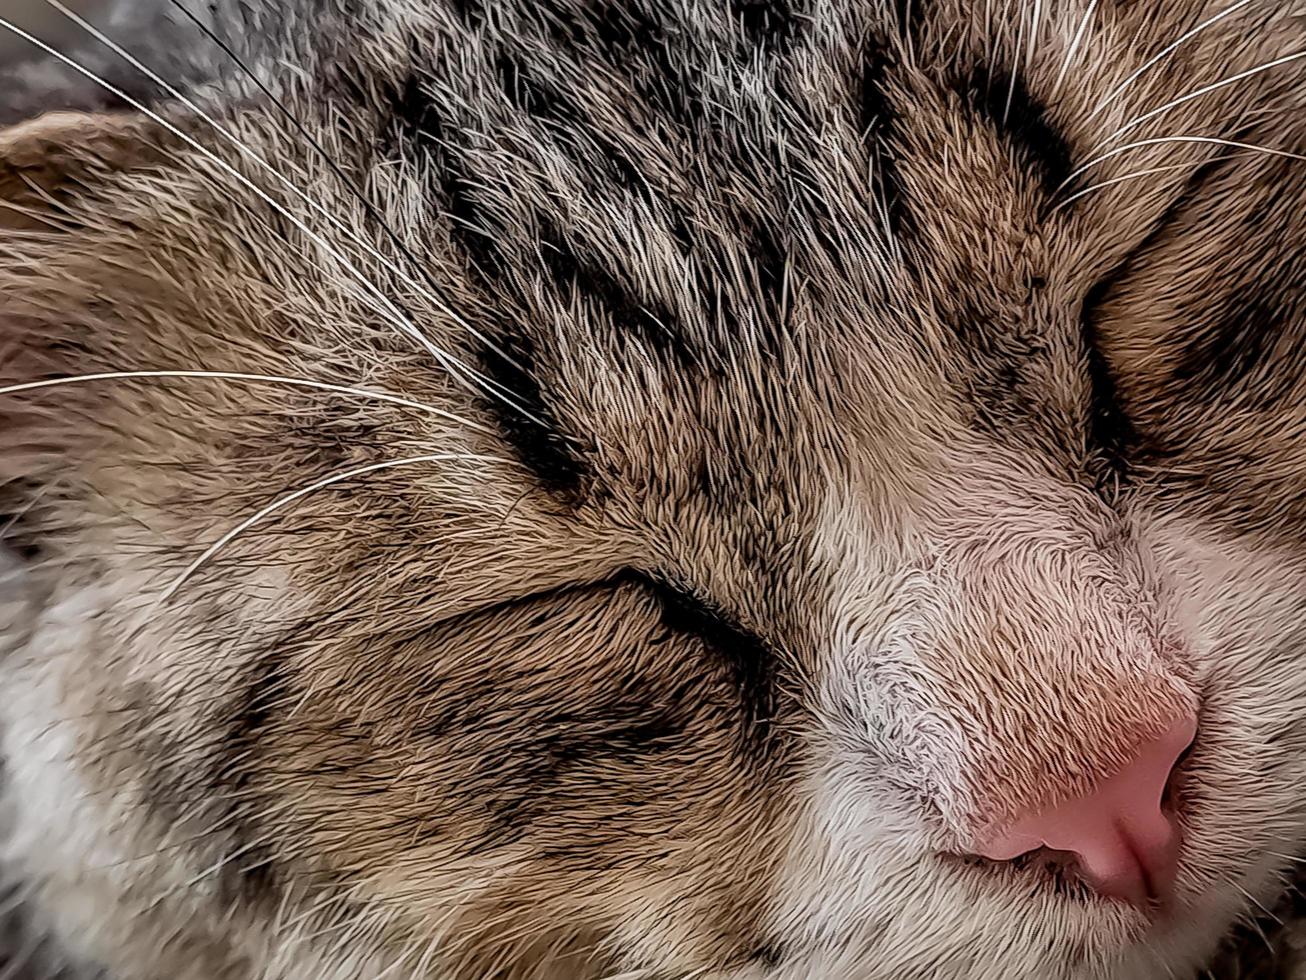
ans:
(701, 233)
(790, 235)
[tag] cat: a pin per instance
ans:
(736, 489)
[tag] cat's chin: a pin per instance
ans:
(941, 915)
(1094, 940)
(1107, 939)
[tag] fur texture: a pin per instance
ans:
(826, 430)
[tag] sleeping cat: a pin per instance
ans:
(735, 489)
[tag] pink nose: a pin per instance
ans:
(1125, 845)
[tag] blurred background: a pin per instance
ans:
(38, 17)
(154, 31)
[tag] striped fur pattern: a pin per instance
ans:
(656, 482)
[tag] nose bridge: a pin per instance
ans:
(1055, 680)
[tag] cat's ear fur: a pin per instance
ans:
(60, 174)
(48, 162)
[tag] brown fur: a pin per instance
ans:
(713, 673)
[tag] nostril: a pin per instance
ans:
(1174, 783)
(1122, 840)
(1047, 857)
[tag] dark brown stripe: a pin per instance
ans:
(877, 122)
(649, 320)
(771, 25)
(750, 661)
(266, 691)
(1228, 354)
(530, 94)
(1021, 120)
(415, 125)
(529, 423)
(1111, 434)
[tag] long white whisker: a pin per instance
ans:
(1177, 139)
(1286, 857)
(1074, 47)
(1033, 33)
(1252, 900)
(379, 396)
(17, 516)
(396, 317)
(412, 950)
(290, 498)
(300, 917)
(1204, 90)
(1164, 965)
(249, 154)
(1250, 919)
(1119, 180)
(1015, 69)
(390, 312)
(1115, 93)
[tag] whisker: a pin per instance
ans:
(1119, 180)
(1115, 93)
(18, 515)
(412, 950)
(1251, 898)
(1204, 90)
(290, 498)
(302, 916)
(639, 973)
(393, 314)
(1033, 33)
(1286, 857)
(218, 865)
(379, 396)
(1074, 46)
(396, 318)
(1156, 141)
(423, 967)
(1015, 67)
(249, 154)
(1247, 918)
(1169, 970)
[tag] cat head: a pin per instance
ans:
(593, 489)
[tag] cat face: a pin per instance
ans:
(666, 490)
